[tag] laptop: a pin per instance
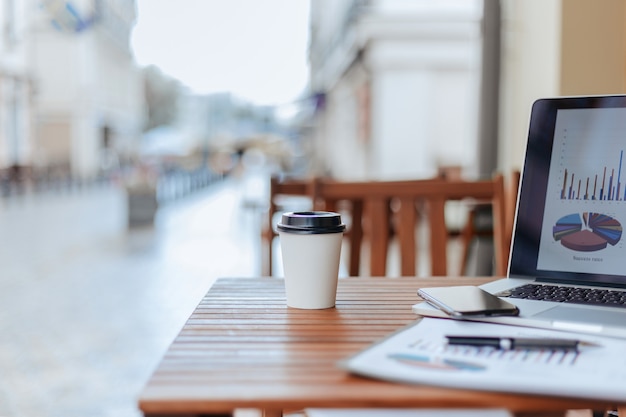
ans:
(567, 266)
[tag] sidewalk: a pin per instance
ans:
(89, 307)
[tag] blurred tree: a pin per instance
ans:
(162, 94)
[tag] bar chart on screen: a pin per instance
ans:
(604, 185)
(588, 156)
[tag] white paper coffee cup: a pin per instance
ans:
(310, 243)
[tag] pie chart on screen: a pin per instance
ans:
(587, 231)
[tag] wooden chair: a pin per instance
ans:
(351, 209)
(281, 193)
(382, 209)
(281, 197)
(476, 225)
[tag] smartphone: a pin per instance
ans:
(467, 301)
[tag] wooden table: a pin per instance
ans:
(243, 348)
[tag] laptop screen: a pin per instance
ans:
(572, 202)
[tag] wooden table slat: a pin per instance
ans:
(243, 347)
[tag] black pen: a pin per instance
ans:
(507, 343)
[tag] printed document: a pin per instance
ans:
(420, 354)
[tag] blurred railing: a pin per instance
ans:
(167, 185)
(176, 184)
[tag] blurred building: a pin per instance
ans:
(400, 85)
(16, 87)
(74, 98)
(397, 86)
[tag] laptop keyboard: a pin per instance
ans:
(573, 295)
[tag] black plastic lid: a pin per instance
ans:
(311, 222)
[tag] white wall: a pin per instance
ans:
(402, 125)
(419, 60)
(341, 150)
(531, 42)
(423, 119)
(425, 98)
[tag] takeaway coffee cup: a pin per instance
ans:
(310, 244)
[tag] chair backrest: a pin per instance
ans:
(280, 189)
(510, 204)
(386, 208)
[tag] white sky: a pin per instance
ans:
(255, 49)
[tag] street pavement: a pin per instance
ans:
(89, 305)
